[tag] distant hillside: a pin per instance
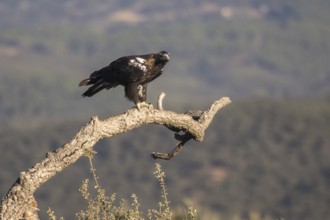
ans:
(210, 57)
(102, 13)
(109, 14)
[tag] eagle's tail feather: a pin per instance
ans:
(85, 82)
(94, 89)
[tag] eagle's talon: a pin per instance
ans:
(141, 105)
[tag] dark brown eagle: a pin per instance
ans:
(133, 72)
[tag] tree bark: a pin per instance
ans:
(19, 203)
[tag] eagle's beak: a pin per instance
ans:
(166, 56)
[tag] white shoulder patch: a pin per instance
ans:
(138, 62)
(141, 60)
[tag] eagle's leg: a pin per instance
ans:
(142, 97)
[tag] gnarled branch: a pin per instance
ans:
(20, 203)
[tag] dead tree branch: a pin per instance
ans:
(19, 203)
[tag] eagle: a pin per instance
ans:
(132, 72)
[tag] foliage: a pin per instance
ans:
(104, 207)
(163, 211)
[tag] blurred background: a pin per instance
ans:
(266, 156)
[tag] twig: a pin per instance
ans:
(160, 101)
(174, 152)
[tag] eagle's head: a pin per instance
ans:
(163, 56)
